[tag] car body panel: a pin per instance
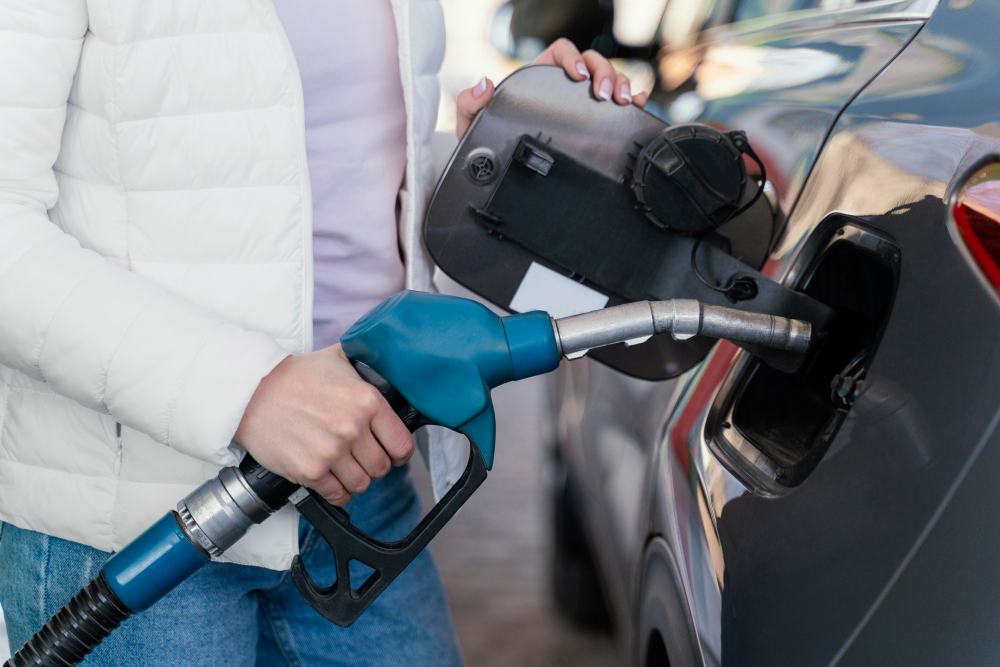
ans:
(884, 554)
(617, 452)
(932, 117)
(787, 127)
(785, 85)
(804, 572)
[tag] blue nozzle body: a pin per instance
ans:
(445, 354)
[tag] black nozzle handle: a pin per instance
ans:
(341, 603)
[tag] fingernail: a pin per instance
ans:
(604, 92)
(626, 93)
(479, 88)
(582, 69)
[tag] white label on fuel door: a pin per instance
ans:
(559, 296)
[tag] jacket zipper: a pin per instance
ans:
(118, 453)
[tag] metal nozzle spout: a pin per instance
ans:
(634, 323)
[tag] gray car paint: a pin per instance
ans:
(884, 555)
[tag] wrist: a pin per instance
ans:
(254, 409)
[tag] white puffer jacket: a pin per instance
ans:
(156, 247)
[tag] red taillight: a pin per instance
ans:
(977, 216)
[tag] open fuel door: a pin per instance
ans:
(555, 201)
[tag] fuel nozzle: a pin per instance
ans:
(634, 323)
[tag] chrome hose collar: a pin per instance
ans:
(244, 496)
(195, 533)
(213, 518)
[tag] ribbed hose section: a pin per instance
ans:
(75, 630)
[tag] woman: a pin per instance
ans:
(193, 197)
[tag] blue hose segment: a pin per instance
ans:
(532, 343)
(151, 565)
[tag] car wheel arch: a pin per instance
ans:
(664, 613)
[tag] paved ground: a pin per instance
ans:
(494, 553)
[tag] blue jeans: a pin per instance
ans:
(229, 614)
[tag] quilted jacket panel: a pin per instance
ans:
(156, 247)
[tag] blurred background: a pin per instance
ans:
(495, 37)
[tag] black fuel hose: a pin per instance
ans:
(151, 565)
(75, 630)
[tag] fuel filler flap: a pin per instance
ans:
(554, 201)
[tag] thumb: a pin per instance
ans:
(470, 102)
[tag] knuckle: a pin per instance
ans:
(352, 432)
(347, 430)
(382, 467)
(368, 398)
(360, 485)
(406, 447)
(313, 472)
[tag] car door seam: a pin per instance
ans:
(942, 506)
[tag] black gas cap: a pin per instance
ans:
(690, 178)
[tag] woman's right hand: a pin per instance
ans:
(315, 422)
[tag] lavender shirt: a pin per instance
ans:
(346, 51)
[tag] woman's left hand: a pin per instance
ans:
(608, 84)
